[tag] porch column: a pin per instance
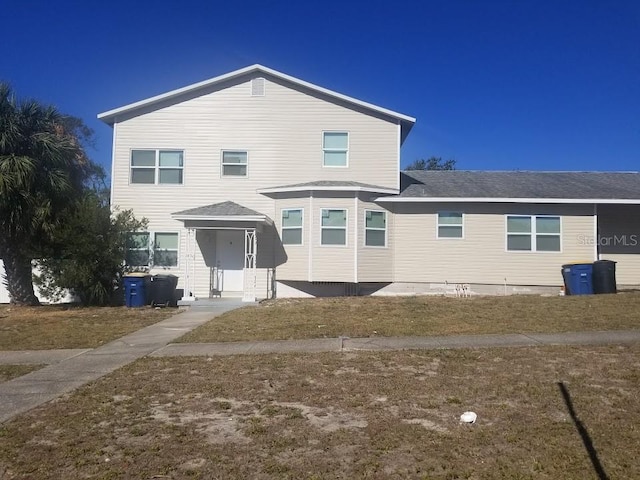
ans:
(189, 265)
(250, 253)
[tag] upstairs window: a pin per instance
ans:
(162, 167)
(335, 146)
(375, 228)
(449, 225)
(334, 227)
(292, 226)
(234, 163)
(533, 233)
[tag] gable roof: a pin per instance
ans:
(111, 116)
(518, 186)
(221, 211)
(329, 186)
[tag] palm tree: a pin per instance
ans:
(42, 170)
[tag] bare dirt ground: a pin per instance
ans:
(389, 415)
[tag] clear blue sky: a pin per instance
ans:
(498, 85)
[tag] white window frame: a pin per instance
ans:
(147, 248)
(345, 228)
(438, 225)
(324, 150)
(156, 167)
(385, 229)
(151, 249)
(222, 164)
(533, 233)
(301, 227)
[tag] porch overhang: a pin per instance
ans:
(221, 214)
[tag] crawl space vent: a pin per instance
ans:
(257, 87)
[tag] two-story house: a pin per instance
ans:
(256, 183)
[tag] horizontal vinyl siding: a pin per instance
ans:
(619, 237)
(481, 257)
(333, 263)
(295, 258)
(375, 264)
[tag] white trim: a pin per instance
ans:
(596, 249)
(532, 233)
(156, 168)
(345, 228)
(386, 229)
(222, 218)
(438, 225)
(316, 188)
(113, 164)
(222, 164)
(324, 150)
(301, 227)
(110, 115)
(311, 244)
(615, 201)
(355, 238)
(399, 145)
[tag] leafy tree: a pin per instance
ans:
(87, 256)
(432, 163)
(43, 170)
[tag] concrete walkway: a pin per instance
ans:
(66, 374)
(70, 369)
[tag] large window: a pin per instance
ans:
(234, 163)
(159, 249)
(530, 233)
(450, 225)
(335, 146)
(292, 226)
(375, 228)
(157, 166)
(334, 227)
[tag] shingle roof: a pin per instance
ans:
(224, 209)
(330, 184)
(520, 184)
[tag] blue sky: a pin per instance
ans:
(496, 85)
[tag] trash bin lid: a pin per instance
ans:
(136, 274)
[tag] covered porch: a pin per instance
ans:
(221, 252)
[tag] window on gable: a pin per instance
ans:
(335, 146)
(234, 163)
(163, 167)
(531, 233)
(159, 249)
(375, 228)
(450, 225)
(292, 226)
(334, 227)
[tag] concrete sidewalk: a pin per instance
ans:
(619, 337)
(24, 393)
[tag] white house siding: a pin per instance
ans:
(481, 256)
(295, 257)
(375, 264)
(619, 240)
(282, 133)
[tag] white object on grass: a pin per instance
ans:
(468, 417)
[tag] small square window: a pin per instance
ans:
(333, 227)
(335, 146)
(375, 225)
(234, 163)
(450, 225)
(292, 226)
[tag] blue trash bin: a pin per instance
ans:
(134, 291)
(578, 278)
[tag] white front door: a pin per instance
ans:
(230, 260)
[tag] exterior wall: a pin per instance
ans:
(282, 132)
(375, 264)
(481, 256)
(294, 263)
(619, 240)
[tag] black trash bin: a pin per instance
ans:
(604, 276)
(162, 290)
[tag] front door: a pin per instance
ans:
(230, 260)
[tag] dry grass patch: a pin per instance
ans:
(7, 372)
(386, 415)
(57, 326)
(420, 315)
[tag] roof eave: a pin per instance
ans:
(390, 191)
(110, 116)
(222, 218)
(612, 201)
